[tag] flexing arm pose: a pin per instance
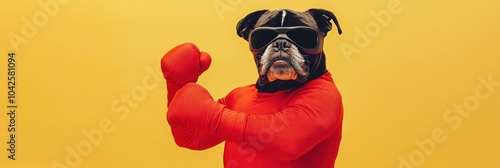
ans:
(199, 122)
(292, 115)
(180, 66)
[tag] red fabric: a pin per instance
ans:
(298, 127)
(180, 66)
(291, 128)
(183, 64)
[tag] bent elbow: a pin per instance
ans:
(192, 145)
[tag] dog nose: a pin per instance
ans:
(281, 44)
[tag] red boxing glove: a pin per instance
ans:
(183, 64)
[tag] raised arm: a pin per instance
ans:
(311, 116)
(181, 65)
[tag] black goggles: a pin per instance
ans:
(308, 39)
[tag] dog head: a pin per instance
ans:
(287, 45)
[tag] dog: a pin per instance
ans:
(287, 45)
(291, 117)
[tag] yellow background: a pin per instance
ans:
(78, 66)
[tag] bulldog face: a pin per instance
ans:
(282, 60)
(287, 45)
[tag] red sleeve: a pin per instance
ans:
(189, 137)
(311, 116)
(193, 139)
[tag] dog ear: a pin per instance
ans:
(247, 24)
(323, 18)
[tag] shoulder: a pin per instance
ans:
(322, 89)
(237, 92)
(319, 97)
(321, 84)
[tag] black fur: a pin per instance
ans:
(247, 24)
(323, 18)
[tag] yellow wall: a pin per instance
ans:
(405, 69)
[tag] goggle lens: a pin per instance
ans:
(261, 38)
(305, 38)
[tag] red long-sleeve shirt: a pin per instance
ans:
(298, 127)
